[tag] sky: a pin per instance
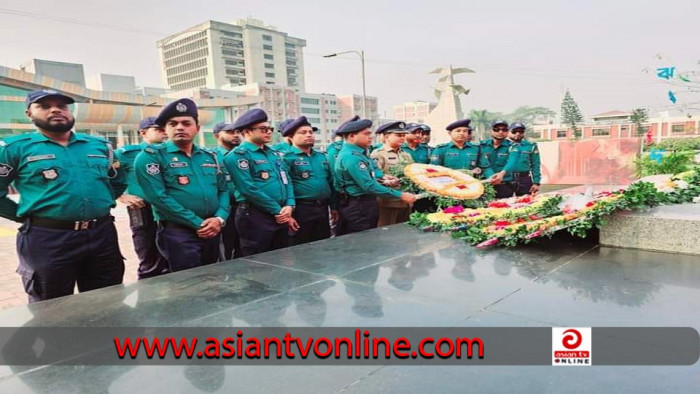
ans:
(523, 52)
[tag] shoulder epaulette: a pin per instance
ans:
(153, 148)
(15, 138)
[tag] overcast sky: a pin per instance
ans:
(524, 52)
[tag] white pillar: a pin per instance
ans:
(120, 136)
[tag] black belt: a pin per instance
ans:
(519, 174)
(306, 201)
(68, 225)
(166, 223)
(363, 197)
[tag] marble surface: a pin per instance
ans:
(392, 276)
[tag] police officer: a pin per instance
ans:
(143, 225)
(425, 135)
(286, 143)
(525, 163)
(495, 152)
(228, 138)
(380, 137)
(187, 189)
(419, 152)
(263, 189)
(312, 182)
(68, 183)
(459, 153)
(390, 157)
(354, 178)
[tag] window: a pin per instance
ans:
(232, 34)
(232, 53)
(600, 132)
(291, 55)
(240, 63)
(533, 134)
(678, 128)
(268, 65)
(289, 45)
(291, 71)
(311, 101)
(314, 111)
(268, 56)
(561, 133)
(291, 62)
(267, 38)
(314, 120)
(270, 75)
(267, 47)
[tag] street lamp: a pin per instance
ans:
(364, 92)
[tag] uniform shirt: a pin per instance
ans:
(221, 152)
(374, 147)
(451, 156)
(525, 157)
(73, 182)
(495, 158)
(334, 149)
(260, 176)
(182, 189)
(354, 174)
(126, 156)
(283, 147)
(387, 158)
(311, 175)
(419, 155)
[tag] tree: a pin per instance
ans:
(571, 114)
(481, 121)
(530, 115)
(639, 116)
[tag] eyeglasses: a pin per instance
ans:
(264, 129)
(500, 129)
(519, 131)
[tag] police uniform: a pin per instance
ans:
(184, 191)
(421, 154)
(263, 188)
(450, 155)
(68, 234)
(143, 225)
(392, 210)
(313, 189)
(283, 146)
(354, 177)
(230, 239)
(524, 163)
(495, 160)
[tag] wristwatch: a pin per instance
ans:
(221, 220)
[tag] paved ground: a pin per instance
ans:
(11, 292)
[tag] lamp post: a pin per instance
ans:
(360, 53)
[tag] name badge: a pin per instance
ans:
(301, 163)
(260, 161)
(283, 175)
(40, 157)
(209, 165)
(178, 164)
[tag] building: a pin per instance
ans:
(112, 83)
(322, 111)
(67, 72)
(413, 111)
(351, 105)
(214, 54)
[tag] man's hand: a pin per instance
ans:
(210, 228)
(408, 198)
(389, 181)
(335, 216)
(284, 215)
(476, 171)
(497, 178)
(131, 201)
(534, 189)
(293, 225)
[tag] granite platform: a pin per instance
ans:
(388, 277)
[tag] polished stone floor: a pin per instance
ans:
(393, 276)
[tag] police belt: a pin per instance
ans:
(308, 201)
(69, 225)
(168, 224)
(519, 174)
(363, 197)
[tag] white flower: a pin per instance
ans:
(682, 184)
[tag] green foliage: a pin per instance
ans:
(571, 114)
(639, 116)
(673, 163)
(677, 144)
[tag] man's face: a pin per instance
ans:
(499, 132)
(395, 140)
(363, 138)
(460, 135)
(425, 137)
(517, 135)
(230, 137)
(154, 135)
(304, 137)
(51, 114)
(259, 133)
(414, 137)
(181, 129)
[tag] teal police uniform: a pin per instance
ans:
(495, 160)
(68, 235)
(451, 156)
(229, 234)
(141, 221)
(263, 188)
(420, 155)
(524, 165)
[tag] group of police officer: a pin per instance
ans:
(190, 206)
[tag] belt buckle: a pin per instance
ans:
(82, 225)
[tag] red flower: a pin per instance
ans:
(488, 243)
(535, 217)
(454, 209)
(590, 204)
(524, 200)
(521, 220)
(498, 204)
(502, 223)
(430, 170)
(474, 214)
(534, 235)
